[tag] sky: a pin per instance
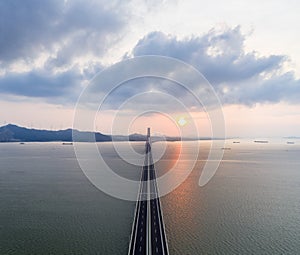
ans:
(247, 50)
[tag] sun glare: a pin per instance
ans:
(182, 122)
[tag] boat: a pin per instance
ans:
(67, 143)
(261, 141)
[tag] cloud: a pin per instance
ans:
(146, 93)
(49, 49)
(62, 44)
(58, 87)
(64, 29)
(239, 77)
(278, 88)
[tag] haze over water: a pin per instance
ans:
(251, 205)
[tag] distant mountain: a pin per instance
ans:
(14, 133)
(292, 137)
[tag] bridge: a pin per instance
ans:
(148, 235)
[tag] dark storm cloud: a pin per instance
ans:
(237, 76)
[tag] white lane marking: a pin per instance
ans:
(148, 251)
(159, 214)
(138, 205)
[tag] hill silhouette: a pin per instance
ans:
(14, 133)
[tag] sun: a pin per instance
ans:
(182, 121)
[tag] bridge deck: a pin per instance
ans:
(148, 233)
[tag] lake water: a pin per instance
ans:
(251, 206)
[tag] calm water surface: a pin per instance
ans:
(251, 206)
